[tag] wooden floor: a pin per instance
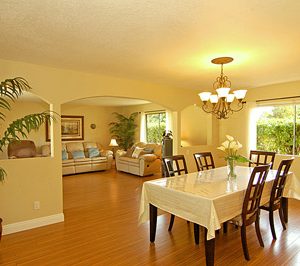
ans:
(101, 228)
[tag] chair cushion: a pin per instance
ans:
(93, 152)
(78, 154)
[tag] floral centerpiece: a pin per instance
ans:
(231, 147)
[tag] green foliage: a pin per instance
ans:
(275, 131)
(156, 125)
(10, 90)
(124, 129)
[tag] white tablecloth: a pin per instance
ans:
(206, 198)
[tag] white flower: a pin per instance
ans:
(226, 144)
(230, 138)
(221, 148)
(239, 144)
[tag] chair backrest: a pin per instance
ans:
(262, 158)
(253, 193)
(279, 181)
(204, 161)
(175, 165)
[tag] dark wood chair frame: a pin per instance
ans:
(202, 161)
(275, 202)
(170, 171)
(267, 156)
(250, 210)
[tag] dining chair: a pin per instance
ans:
(261, 158)
(204, 161)
(276, 194)
(250, 210)
(176, 165)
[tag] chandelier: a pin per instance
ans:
(221, 103)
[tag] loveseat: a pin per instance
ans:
(81, 157)
(141, 159)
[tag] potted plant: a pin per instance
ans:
(10, 91)
(124, 129)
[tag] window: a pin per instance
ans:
(155, 126)
(278, 129)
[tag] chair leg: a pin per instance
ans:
(271, 220)
(257, 229)
(196, 233)
(225, 226)
(281, 216)
(244, 242)
(171, 222)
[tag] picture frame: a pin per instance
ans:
(72, 128)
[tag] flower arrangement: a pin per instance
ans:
(231, 147)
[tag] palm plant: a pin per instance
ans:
(124, 129)
(10, 91)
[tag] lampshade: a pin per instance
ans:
(113, 143)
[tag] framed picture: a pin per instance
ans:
(71, 128)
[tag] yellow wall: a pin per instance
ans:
(99, 115)
(28, 180)
(196, 126)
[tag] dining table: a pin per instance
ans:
(207, 198)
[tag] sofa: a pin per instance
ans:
(141, 159)
(81, 157)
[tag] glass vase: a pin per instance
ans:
(231, 174)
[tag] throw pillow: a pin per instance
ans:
(137, 152)
(93, 152)
(64, 155)
(78, 155)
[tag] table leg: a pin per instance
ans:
(284, 206)
(153, 222)
(209, 250)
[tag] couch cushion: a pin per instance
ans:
(74, 146)
(21, 149)
(78, 155)
(130, 151)
(45, 150)
(137, 152)
(82, 160)
(68, 162)
(64, 155)
(129, 160)
(88, 145)
(98, 159)
(93, 152)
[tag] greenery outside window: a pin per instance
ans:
(155, 126)
(278, 129)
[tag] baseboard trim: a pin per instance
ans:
(34, 223)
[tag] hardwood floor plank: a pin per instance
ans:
(101, 228)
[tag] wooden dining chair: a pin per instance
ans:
(276, 194)
(250, 211)
(176, 165)
(261, 158)
(204, 161)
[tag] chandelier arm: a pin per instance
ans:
(240, 106)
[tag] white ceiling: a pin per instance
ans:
(162, 41)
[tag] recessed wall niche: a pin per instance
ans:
(196, 127)
(27, 103)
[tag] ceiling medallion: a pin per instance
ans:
(220, 103)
